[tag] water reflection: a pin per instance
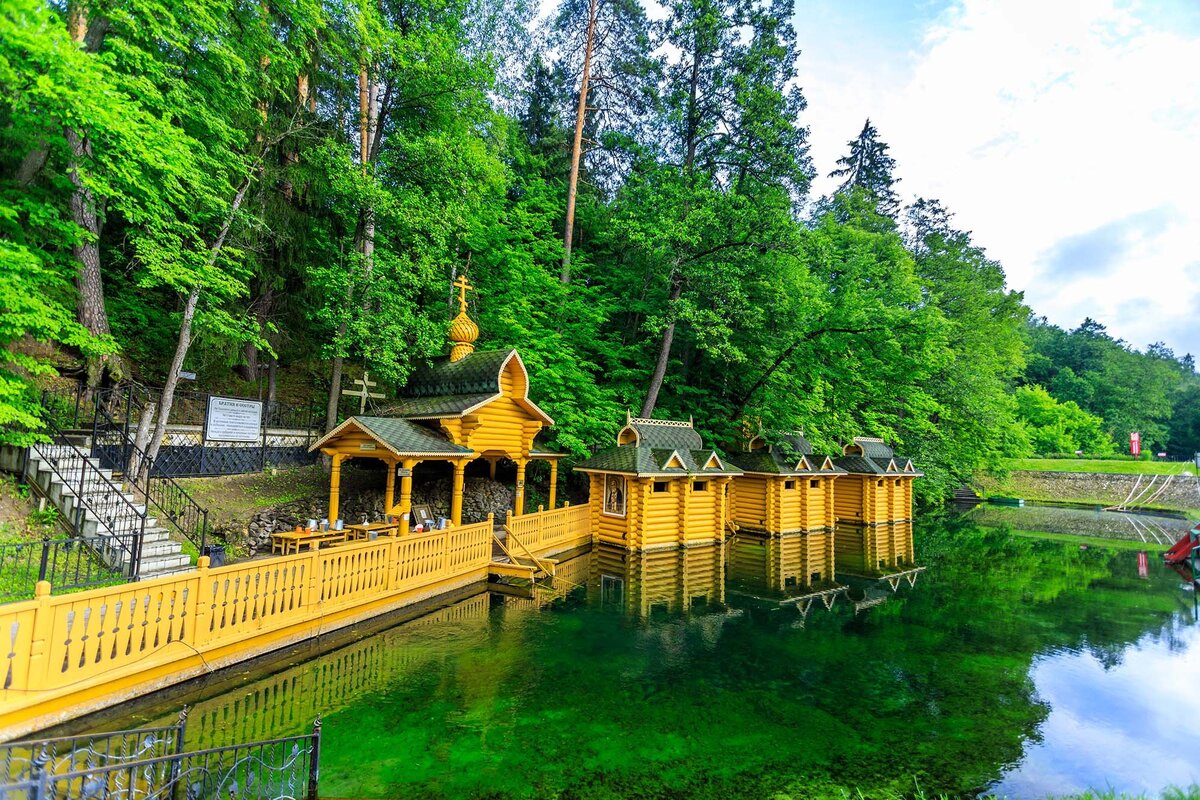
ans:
(1027, 664)
(658, 583)
(1125, 724)
(1152, 529)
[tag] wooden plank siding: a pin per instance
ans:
(764, 503)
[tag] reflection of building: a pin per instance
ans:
(780, 567)
(658, 488)
(877, 488)
(784, 489)
(662, 581)
(874, 551)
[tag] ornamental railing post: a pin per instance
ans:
(38, 788)
(314, 760)
(45, 563)
(177, 761)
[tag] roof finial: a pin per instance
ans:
(463, 330)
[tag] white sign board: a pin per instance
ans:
(232, 420)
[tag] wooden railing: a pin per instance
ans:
(68, 654)
(548, 532)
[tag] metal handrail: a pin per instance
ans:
(109, 506)
(168, 497)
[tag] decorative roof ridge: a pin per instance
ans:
(674, 423)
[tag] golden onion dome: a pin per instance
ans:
(463, 330)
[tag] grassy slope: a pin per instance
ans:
(234, 499)
(1101, 466)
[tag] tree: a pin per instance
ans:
(869, 169)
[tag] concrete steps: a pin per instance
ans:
(103, 511)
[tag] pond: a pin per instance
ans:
(1015, 663)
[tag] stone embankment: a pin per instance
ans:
(1182, 493)
(480, 498)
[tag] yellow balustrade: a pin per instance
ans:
(547, 532)
(67, 655)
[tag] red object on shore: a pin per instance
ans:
(1182, 550)
(1143, 565)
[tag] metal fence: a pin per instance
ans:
(285, 433)
(275, 769)
(66, 563)
(66, 754)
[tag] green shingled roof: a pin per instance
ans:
(400, 436)
(477, 373)
(861, 465)
(436, 406)
(772, 462)
(874, 448)
(666, 434)
(641, 460)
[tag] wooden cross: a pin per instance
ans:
(363, 392)
(462, 286)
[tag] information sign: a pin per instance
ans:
(232, 420)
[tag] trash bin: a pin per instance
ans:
(215, 553)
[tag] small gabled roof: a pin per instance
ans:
(448, 388)
(653, 461)
(790, 454)
(398, 436)
(870, 447)
(860, 465)
(662, 433)
(542, 450)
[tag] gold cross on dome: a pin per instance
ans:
(462, 285)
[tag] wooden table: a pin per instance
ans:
(295, 541)
(361, 532)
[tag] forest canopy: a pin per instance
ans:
(282, 193)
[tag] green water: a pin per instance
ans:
(1014, 664)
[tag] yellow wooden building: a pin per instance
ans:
(466, 407)
(783, 566)
(785, 488)
(659, 487)
(641, 584)
(877, 487)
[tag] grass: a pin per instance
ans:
(1112, 467)
(232, 500)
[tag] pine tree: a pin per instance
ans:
(869, 168)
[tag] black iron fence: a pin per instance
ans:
(100, 512)
(151, 765)
(67, 563)
(283, 437)
(65, 754)
(172, 505)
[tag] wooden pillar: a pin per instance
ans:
(389, 492)
(519, 499)
(456, 493)
(405, 508)
(553, 482)
(335, 484)
(492, 467)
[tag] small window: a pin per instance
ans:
(790, 580)
(814, 484)
(897, 481)
(879, 482)
(662, 486)
(700, 486)
(815, 577)
(789, 484)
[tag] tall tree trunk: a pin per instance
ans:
(668, 334)
(185, 334)
(85, 213)
(664, 350)
(577, 147)
(368, 123)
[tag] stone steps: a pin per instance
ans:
(102, 511)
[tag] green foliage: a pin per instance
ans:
(1055, 427)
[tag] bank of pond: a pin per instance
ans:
(986, 661)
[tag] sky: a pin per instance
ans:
(1064, 135)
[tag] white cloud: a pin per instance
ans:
(1036, 122)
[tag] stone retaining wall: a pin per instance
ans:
(1108, 489)
(481, 496)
